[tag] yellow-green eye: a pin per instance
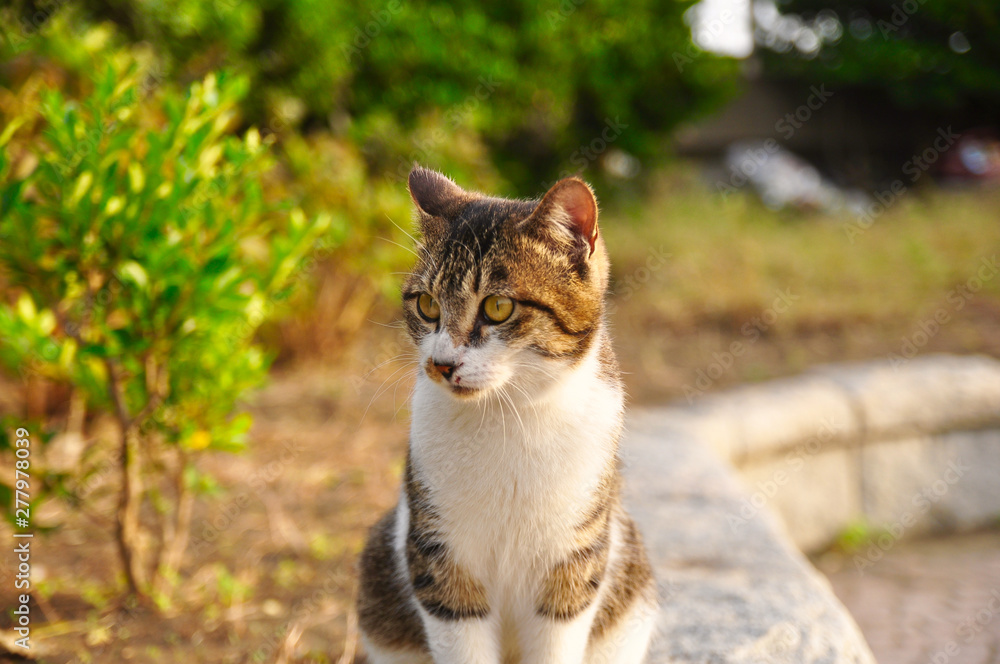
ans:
(428, 307)
(497, 308)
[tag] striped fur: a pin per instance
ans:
(441, 586)
(509, 542)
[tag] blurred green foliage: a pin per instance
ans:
(139, 255)
(140, 243)
(535, 82)
(937, 56)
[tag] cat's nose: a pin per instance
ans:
(446, 368)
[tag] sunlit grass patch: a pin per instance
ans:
(730, 258)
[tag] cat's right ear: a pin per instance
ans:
(435, 196)
(567, 215)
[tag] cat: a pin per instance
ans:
(509, 542)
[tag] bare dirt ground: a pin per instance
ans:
(270, 575)
(935, 600)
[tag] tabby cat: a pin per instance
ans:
(509, 542)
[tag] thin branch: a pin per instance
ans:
(117, 395)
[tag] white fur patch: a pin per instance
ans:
(510, 476)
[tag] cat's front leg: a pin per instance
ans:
(456, 615)
(549, 641)
(463, 641)
(558, 629)
(453, 603)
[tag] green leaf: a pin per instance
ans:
(80, 188)
(94, 350)
(9, 130)
(10, 196)
(131, 271)
(136, 177)
(26, 308)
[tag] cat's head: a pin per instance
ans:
(505, 292)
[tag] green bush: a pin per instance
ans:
(537, 82)
(141, 254)
(322, 172)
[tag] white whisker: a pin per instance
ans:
(401, 228)
(399, 245)
(402, 357)
(379, 393)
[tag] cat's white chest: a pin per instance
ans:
(510, 483)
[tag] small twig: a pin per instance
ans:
(284, 654)
(178, 531)
(128, 534)
(351, 639)
(117, 396)
(77, 415)
(154, 401)
(51, 615)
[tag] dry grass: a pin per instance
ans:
(850, 295)
(730, 256)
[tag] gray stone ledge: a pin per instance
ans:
(836, 444)
(924, 395)
(861, 442)
(733, 592)
(847, 405)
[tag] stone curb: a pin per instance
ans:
(735, 588)
(849, 404)
(906, 448)
(730, 595)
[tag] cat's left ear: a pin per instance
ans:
(435, 197)
(568, 215)
(434, 194)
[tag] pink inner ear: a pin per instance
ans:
(577, 201)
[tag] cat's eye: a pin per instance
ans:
(428, 307)
(497, 309)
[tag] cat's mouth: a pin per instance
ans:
(462, 391)
(462, 381)
(447, 376)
